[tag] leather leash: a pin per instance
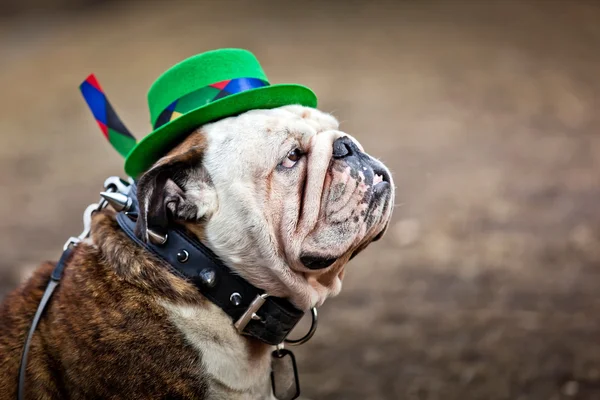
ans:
(52, 284)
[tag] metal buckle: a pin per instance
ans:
(250, 313)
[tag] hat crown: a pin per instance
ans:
(198, 72)
(203, 89)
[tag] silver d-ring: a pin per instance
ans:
(311, 331)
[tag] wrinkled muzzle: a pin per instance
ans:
(355, 206)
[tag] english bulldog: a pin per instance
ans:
(282, 196)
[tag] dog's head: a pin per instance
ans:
(280, 195)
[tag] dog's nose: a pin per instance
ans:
(313, 262)
(344, 147)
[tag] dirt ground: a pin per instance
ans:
(488, 283)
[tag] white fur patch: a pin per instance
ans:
(225, 356)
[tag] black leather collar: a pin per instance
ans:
(254, 313)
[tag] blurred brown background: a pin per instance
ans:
(488, 283)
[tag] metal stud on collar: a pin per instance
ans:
(311, 331)
(118, 201)
(156, 237)
(208, 277)
(235, 299)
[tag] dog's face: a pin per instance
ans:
(280, 195)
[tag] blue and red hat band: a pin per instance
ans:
(206, 95)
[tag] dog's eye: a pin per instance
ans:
(291, 159)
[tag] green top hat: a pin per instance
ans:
(205, 88)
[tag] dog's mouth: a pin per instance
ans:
(350, 221)
(381, 181)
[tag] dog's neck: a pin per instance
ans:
(256, 313)
(237, 364)
(134, 265)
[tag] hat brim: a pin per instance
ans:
(148, 150)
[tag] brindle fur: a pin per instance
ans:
(103, 335)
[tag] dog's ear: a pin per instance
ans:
(176, 188)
